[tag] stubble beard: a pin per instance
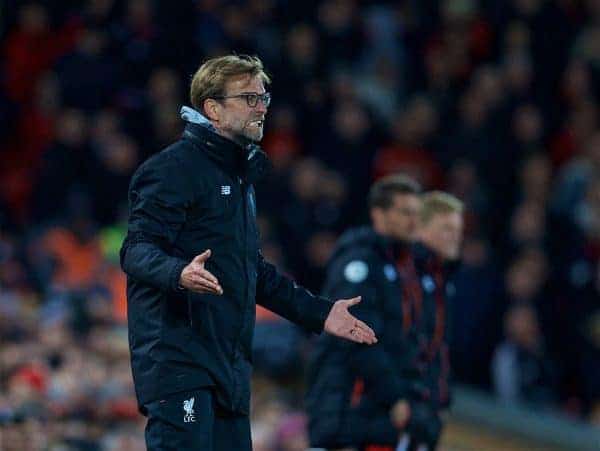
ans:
(251, 133)
(245, 134)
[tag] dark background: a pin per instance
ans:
(493, 101)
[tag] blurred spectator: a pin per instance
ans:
(32, 47)
(575, 178)
(521, 370)
(341, 32)
(526, 277)
(88, 77)
(464, 182)
(579, 127)
(535, 178)
(473, 314)
(115, 157)
(588, 337)
(63, 166)
(518, 73)
(314, 207)
(138, 42)
(408, 153)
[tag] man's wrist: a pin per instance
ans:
(176, 274)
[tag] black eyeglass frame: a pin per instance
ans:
(265, 98)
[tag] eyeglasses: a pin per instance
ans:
(252, 98)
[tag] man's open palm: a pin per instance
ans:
(195, 278)
(342, 324)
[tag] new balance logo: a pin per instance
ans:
(188, 407)
(225, 190)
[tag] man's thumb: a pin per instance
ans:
(202, 257)
(354, 301)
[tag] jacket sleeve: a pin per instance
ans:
(283, 296)
(371, 363)
(156, 214)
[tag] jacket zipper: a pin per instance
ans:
(243, 189)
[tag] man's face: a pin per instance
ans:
(237, 120)
(444, 233)
(400, 220)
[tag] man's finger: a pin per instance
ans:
(207, 275)
(361, 337)
(199, 273)
(365, 331)
(370, 339)
(209, 283)
(364, 327)
(202, 257)
(204, 286)
(201, 278)
(355, 336)
(211, 286)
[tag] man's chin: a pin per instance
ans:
(255, 138)
(247, 138)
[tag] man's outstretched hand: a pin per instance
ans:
(195, 278)
(342, 324)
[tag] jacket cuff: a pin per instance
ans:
(322, 308)
(175, 274)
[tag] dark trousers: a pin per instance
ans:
(354, 429)
(191, 421)
(424, 427)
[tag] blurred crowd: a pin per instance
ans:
(495, 102)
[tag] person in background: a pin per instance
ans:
(358, 396)
(436, 256)
(521, 369)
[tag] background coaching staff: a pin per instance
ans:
(195, 270)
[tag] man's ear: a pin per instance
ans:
(212, 109)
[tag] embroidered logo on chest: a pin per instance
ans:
(356, 271)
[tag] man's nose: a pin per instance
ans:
(260, 107)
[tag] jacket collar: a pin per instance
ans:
(385, 246)
(426, 258)
(218, 148)
(224, 151)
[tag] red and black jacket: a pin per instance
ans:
(433, 322)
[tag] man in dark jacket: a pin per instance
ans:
(357, 395)
(436, 256)
(195, 270)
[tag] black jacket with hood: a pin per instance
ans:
(197, 194)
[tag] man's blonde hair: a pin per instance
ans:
(439, 202)
(210, 79)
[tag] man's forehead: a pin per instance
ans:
(402, 199)
(448, 217)
(245, 83)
